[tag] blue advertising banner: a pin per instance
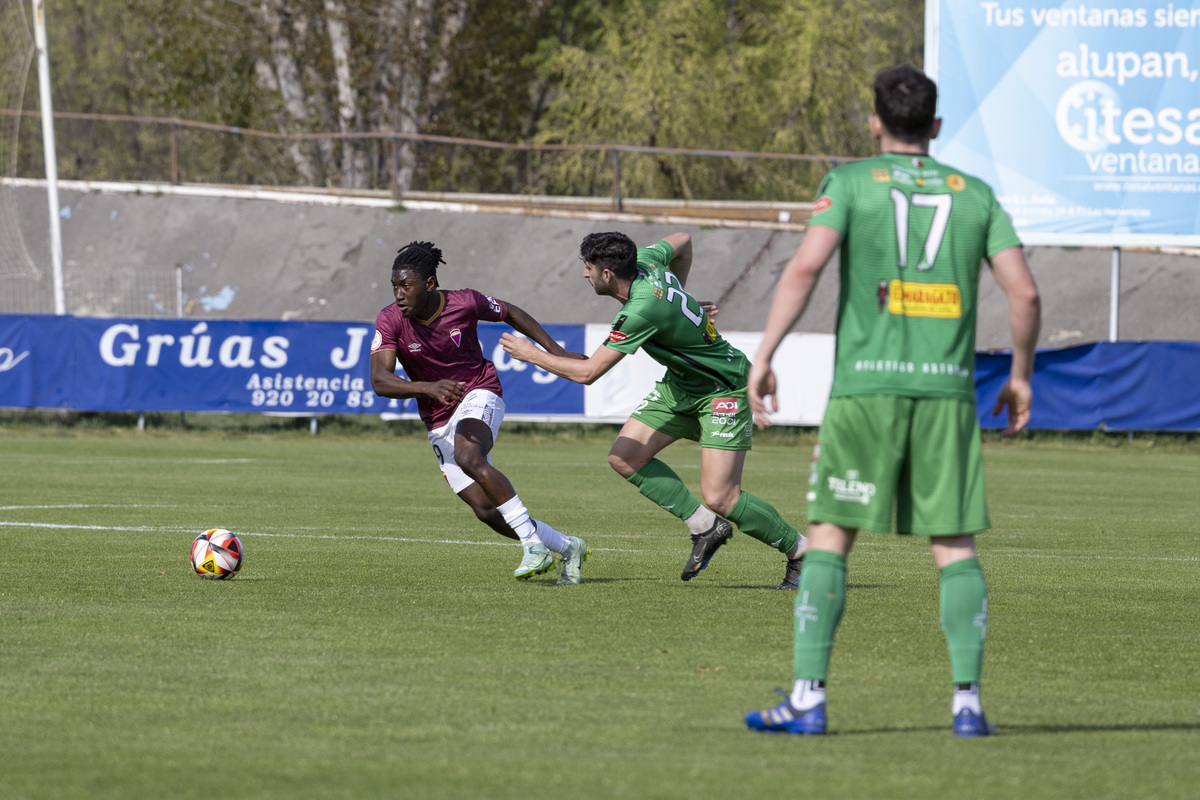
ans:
(1084, 117)
(1125, 386)
(90, 364)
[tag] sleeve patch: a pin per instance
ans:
(617, 336)
(822, 203)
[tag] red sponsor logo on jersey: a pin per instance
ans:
(823, 202)
(724, 405)
(456, 337)
(617, 336)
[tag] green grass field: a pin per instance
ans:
(375, 645)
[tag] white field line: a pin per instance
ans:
(159, 529)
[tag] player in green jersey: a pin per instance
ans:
(900, 434)
(701, 397)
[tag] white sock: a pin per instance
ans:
(800, 546)
(517, 517)
(807, 694)
(555, 541)
(701, 520)
(966, 695)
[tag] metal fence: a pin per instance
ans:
(168, 149)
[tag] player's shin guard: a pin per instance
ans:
(964, 617)
(659, 483)
(820, 601)
(758, 519)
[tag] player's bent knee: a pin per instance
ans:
(622, 467)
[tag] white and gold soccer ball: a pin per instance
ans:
(217, 553)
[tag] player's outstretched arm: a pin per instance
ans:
(386, 383)
(1025, 318)
(795, 286)
(586, 370)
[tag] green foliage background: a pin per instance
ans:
(777, 76)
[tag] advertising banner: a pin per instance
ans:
(1084, 117)
(1115, 386)
(90, 364)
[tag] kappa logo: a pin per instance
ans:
(850, 489)
(724, 405)
(414, 347)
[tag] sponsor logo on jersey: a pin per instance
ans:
(495, 304)
(881, 175)
(414, 347)
(378, 340)
(916, 162)
(823, 202)
(956, 182)
(724, 405)
(939, 300)
(456, 337)
(850, 489)
(617, 336)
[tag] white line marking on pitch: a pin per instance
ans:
(146, 529)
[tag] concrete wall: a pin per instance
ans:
(325, 257)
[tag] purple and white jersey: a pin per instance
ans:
(443, 347)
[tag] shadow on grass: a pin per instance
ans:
(849, 587)
(1024, 730)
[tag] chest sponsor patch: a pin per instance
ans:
(939, 300)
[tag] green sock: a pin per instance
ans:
(964, 617)
(758, 519)
(661, 485)
(820, 601)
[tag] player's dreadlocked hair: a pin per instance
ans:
(420, 257)
(612, 251)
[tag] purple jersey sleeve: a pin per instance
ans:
(488, 308)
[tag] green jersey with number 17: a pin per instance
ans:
(914, 233)
(669, 324)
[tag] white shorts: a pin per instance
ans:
(477, 404)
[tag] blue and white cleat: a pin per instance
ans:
(536, 560)
(783, 718)
(968, 724)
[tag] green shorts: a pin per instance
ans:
(721, 420)
(919, 456)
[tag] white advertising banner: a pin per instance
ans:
(803, 368)
(1083, 116)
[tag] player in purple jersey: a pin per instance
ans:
(433, 332)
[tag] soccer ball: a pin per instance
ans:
(217, 553)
